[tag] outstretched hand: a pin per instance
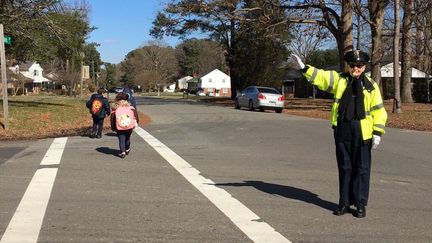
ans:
(297, 61)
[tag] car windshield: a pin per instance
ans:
(268, 90)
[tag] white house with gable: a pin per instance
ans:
(420, 82)
(33, 71)
(182, 83)
(170, 87)
(215, 83)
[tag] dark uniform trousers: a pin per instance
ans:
(354, 164)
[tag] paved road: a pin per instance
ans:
(203, 173)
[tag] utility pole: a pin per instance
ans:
(82, 74)
(93, 76)
(4, 80)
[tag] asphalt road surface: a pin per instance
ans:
(204, 173)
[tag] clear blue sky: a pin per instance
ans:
(122, 26)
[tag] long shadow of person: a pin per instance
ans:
(107, 150)
(285, 191)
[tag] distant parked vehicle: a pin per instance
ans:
(262, 98)
(118, 90)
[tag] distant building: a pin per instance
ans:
(182, 83)
(420, 83)
(33, 71)
(215, 83)
(169, 87)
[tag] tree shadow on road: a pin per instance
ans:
(285, 191)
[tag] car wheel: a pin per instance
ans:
(279, 111)
(236, 105)
(251, 108)
(261, 109)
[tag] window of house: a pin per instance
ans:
(35, 72)
(223, 80)
(210, 80)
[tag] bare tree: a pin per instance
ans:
(375, 18)
(406, 72)
(340, 26)
(397, 104)
(151, 66)
(428, 47)
(376, 11)
(308, 39)
(18, 80)
(223, 21)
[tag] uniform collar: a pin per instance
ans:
(367, 82)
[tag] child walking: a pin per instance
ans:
(99, 108)
(126, 118)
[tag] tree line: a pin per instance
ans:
(254, 33)
(53, 33)
(248, 39)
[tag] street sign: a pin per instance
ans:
(86, 72)
(7, 40)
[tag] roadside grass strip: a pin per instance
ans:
(26, 223)
(246, 220)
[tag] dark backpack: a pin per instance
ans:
(96, 107)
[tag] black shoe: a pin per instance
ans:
(341, 210)
(92, 136)
(360, 212)
(122, 155)
(99, 136)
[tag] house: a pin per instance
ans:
(420, 83)
(182, 83)
(33, 71)
(295, 85)
(421, 86)
(215, 83)
(170, 87)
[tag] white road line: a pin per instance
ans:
(26, 223)
(239, 214)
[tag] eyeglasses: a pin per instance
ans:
(358, 65)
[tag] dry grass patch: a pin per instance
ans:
(35, 117)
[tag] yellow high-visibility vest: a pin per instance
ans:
(336, 83)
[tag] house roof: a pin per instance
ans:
(15, 76)
(293, 74)
(215, 71)
(185, 78)
(387, 72)
(196, 79)
(25, 66)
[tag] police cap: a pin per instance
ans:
(356, 56)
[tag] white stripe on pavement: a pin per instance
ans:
(26, 223)
(239, 214)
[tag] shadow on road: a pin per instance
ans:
(285, 191)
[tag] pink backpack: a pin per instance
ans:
(125, 118)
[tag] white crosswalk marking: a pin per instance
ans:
(26, 223)
(239, 214)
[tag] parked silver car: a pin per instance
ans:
(263, 98)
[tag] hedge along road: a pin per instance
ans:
(280, 169)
